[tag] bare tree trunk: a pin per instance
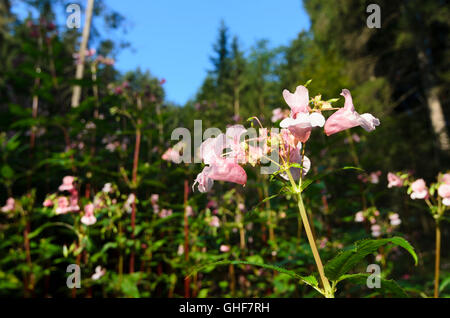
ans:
(433, 103)
(80, 66)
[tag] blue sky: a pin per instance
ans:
(174, 38)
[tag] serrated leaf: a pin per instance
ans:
(387, 286)
(346, 260)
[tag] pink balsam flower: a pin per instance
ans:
(359, 217)
(62, 205)
(394, 180)
(347, 117)
(444, 192)
(224, 248)
(300, 122)
(99, 273)
(10, 205)
(88, 217)
(419, 189)
(67, 184)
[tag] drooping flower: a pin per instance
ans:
(300, 122)
(224, 248)
(189, 211)
(180, 250)
(394, 180)
(444, 192)
(395, 219)
(88, 217)
(165, 213)
(347, 117)
(128, 203)
(222, 168)
(278, 114)
(9, 206)
(62, 205)
(215, 222)
(446, 178)
(107, 188)
(374, 177)
(290, 152)
(359, 217)
(376, 230)
(47, 203)
(154, 198)
(67, 184)
(99, 273)
(419, 189)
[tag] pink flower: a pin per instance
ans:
(394, 180)
(300, 122)
(154, 198)
(10, 204)
(67, 184)
(419, 189)
(171, 155)
(395, 219)
(224, 248)
(222, 168)
(446, 178)
(278, 114)
(88, 217)
(73, 206)
(444, 192)
(107, 188)
(241, 207)
(62, 205)
(347, 117)
(375, 177)
(165, 213)
(99, 272)
(359, 216)
(189, 211)
(376, 230)
(291, 153)
(47, 203)
(180, 250)
(215, 222)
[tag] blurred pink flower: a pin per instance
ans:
(395, 219)
(419, 189)
(241, 207)
(180, 250)
(376, 230)
(107, 188)
(171, 155)
(67, 184)
(154, 198)
(99, 272)
(88, 217)
(446, 178)
(62, 205)
(347, 117)
(165, 213)
(224, 248)
(47, 203)
(394, 180)
(10, 204)
(359, 216)
(189, 211)
(215, 222)
(278, 114)
(444, 192)
(375, 177)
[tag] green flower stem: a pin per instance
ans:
(437, 260)
(328, 291)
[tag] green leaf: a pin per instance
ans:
(309, 181)
(444, 284)
(387, 286)
(7, 172)
(346, 260)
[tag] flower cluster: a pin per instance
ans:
(296, 130)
